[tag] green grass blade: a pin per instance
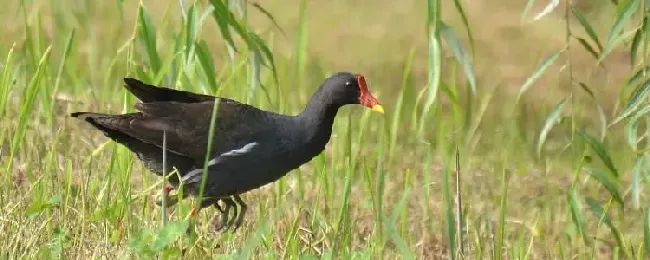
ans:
(253, 242)
(550, 60)
(433, 15)
(552, 119)
(267, 14)
(639, 171)
(524, 14)
(639, 74)
(120, 9)
(398, 241)
(463, 16)
(621, 20)
(169, 234)
(450, 224)
(586, 26)
(27, 106)
(646, 231)
(552, 5)
(163, 187)
(600, 213)
(225, 19)
(603, 121)
(266, 53)
(434, 73)
(610, 48)
(221, 16)
(616, 35)
(600, 150)
(435, 59)
(380, 184)
(459, 206)
(634, 47)
(610, 182)
(397, 112)
(6, 81)
(501, 231)
(205, 58)
(390, 229)
(254, 81)
(588, 47)
(632, 127)
(637, 97)
(577, 215)
(449, 36)
(147, 35)
(211, 130)
(646, 19)
(342, 227)
(586, 88)
(301, 43)
(191, 30)
(66, 54)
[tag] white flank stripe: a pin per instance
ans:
(247, 148)
(194, 175)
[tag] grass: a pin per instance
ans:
(546, 120)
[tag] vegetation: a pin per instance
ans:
(538, 114)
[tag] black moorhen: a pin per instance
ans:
(250, 147)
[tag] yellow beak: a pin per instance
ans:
(377, 108)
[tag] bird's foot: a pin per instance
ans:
(226, 220)
(225, 212)
(242, 213)
(171, 199)
(234, 222)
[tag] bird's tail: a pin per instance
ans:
(150, 93)
(109, 124)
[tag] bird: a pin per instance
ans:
(250, 147)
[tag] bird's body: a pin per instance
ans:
(250, 147)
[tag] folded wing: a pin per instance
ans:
(186, 117)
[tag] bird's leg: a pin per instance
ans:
(219, 208)
(225, 213)
(242, 212)
(230, 206)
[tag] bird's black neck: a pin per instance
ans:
(318, 117)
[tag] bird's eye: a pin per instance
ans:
(348, 83)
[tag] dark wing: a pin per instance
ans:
(150, 93)
(149, 154)
(186, 118)
(187, 126)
